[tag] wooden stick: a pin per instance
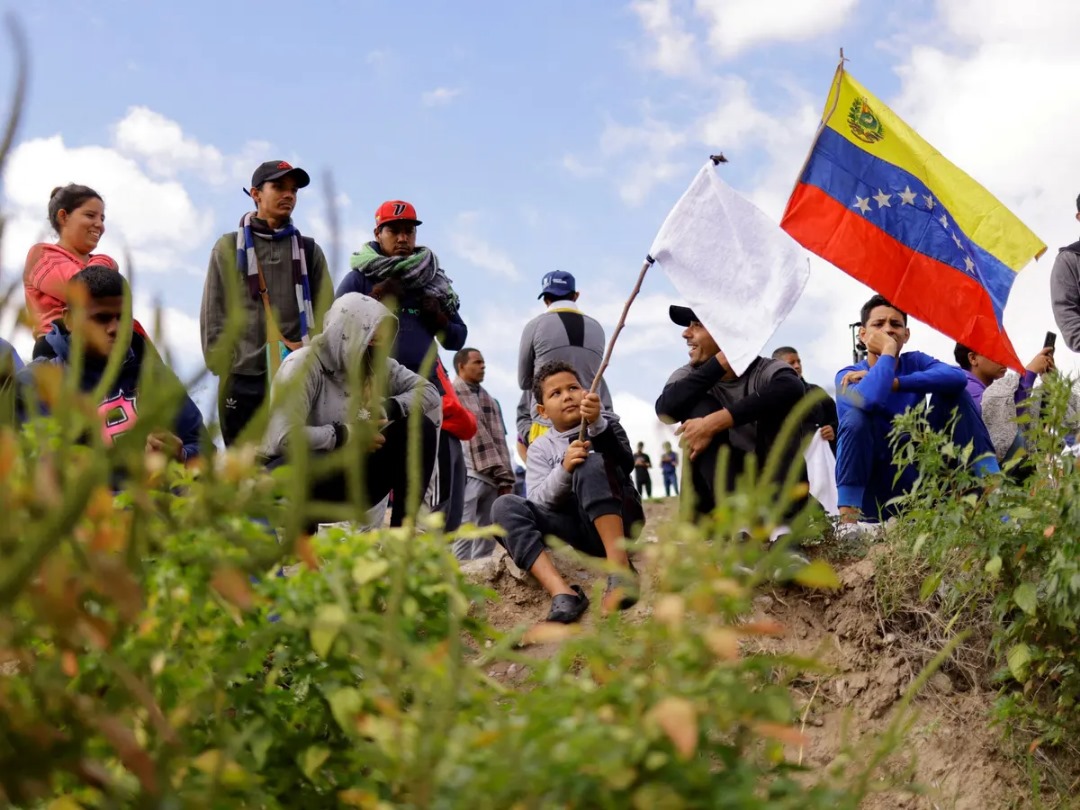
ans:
(615, 336)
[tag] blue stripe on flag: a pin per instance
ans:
(904, 208)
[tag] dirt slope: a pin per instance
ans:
(951, 751)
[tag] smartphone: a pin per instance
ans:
(1051, 339)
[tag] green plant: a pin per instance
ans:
(1001, 555)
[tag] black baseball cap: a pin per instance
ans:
(275, 169)
(682, 316)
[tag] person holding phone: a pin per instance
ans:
(1001, 398)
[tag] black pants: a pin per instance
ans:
(239, 397)
(451, 475)
(385, 470)
(703, 468)
(597, 492)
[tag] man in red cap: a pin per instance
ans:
(281, 281)
(408, 279)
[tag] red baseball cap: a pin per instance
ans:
(395, 211)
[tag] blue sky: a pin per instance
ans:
(530, 136)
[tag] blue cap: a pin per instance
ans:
(557, 282)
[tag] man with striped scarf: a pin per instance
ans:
(281, 282)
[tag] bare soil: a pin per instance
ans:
(952, 756)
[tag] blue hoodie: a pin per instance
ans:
(8, 351)
(120, 408)
(414, 337)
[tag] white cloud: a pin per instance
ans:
(739, 25)
(576, 168)
(673, 49)
(736, 26)
(164, 148)
(154, 219)
(474, 249)
(440, 96)
(645, 151)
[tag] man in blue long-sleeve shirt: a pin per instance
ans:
(872, 393)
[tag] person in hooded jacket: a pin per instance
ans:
(333, 385)
(119, 409)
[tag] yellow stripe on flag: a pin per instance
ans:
(861, 118)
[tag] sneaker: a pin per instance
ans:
(628, 589)
(567, 608)
(860, 530)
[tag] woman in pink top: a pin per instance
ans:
(77, 214)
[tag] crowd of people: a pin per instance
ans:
(305, 368)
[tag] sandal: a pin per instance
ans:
(627, 584)
(567, 608)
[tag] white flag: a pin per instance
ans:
(736, 269)
(821, 470)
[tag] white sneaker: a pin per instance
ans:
(859, 530)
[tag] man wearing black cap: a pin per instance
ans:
(280, 281)
(561, 333)
(718, 408)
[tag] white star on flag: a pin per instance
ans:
(862, 203)
(944, 222)
(956, 239)
(929, 201)
(969, 264)
(907, 196)
(883, 199)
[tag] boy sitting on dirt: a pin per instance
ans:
(871, 393)
(579, 491)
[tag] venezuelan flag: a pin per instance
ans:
(884, 206)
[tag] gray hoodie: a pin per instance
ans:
(314, 379)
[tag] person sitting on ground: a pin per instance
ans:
(331, 387)
(981, 373)
(669, 466)
(822, 416)
(98, 322)
(642, 465)
(871, 393)
(578, 491)
(719, 408)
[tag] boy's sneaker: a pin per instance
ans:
(625, 586)
(567, 608)
(857, 530)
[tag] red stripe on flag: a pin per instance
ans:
(935, 293)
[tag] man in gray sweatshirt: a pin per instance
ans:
(336, 393)
(1065, 291)
(561, 332)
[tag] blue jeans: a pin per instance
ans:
(670, 482)
(866, 477)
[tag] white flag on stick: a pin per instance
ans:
(736, 269)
